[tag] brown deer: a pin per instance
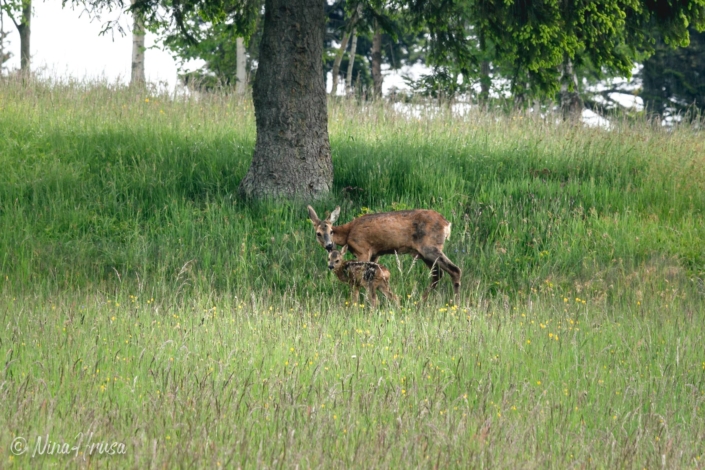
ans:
(371, 276)
(420, 232)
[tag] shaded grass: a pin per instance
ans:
(100, 180)
(143, 301)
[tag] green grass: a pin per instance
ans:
(142, 301)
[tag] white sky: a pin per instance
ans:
(66, 43)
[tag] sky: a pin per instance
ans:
(67, 43)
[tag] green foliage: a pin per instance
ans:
(530, 40)
(5, 55)
(144, 303)
(213, 42)
(673, 80)
(194, 29)
(13, 9)
(402, 42)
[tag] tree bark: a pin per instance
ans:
(571, 103)
(377, 60)
(351, 62)
(241, 67)
(137, 77)
(25, 35)
(336, 62)
(292, 156)
(485, 80)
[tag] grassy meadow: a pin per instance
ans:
(142, 303)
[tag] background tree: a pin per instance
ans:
(673, 81)
(5, 55)
(223, 47)
(223, 42)
(540, 47)
(384, 36)
(348, 30)
(137, 76)
(241, 67)
(20, 12)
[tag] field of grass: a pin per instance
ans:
(143, 304)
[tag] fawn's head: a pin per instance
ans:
(324, 228)
(335, 258)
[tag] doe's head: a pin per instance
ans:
(324, 228)
(335, 258)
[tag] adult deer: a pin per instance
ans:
(420, 232)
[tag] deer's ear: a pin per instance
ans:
(312, 215)
(343, 250)
(334, 215)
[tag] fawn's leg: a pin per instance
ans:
(372, 294)
(355, 295)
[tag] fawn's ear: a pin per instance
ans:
(312, 215)
(334, 215)
(343, 250)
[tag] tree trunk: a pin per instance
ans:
(377, 60)
(137, 77)
(520, 89)
(292, 152)
(351, 62)
(485, 80)
(241, 67)
(571, 103)
(25, 34)
(336, 62)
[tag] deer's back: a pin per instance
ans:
(399, 231)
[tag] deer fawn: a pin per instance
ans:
(371, 276)
(419, 232)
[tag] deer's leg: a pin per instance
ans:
(436, 275)
(372, 294)
(355, 295)
(363, 255)
(437, 260)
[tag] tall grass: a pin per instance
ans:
(144, 302)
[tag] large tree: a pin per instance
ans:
(292, 153)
